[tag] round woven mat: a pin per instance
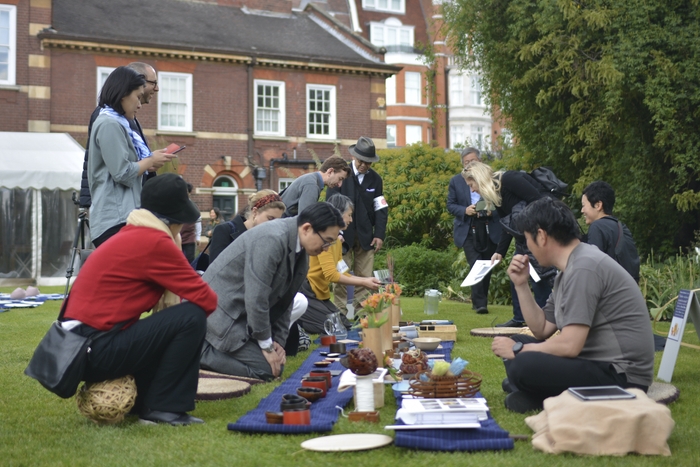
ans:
(663, 393)
(493, 332)
(214, 374)
(214, 389)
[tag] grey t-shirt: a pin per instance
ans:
(595, 291)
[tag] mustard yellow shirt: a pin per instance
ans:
(323, 270)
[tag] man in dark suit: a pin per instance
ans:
(365, 235)
(256, 279)
(477, 231)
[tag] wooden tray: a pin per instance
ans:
(446, 332)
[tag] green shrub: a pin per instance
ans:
(418, 268)
(660, 282)
(416, 179)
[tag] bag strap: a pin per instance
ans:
(618, 248)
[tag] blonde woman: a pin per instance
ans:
(505, 190)
(263, 206)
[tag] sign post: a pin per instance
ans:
(687, 306)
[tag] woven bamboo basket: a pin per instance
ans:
(107, 402)
(465, 385)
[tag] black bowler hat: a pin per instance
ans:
(166, 196)
(364, 150)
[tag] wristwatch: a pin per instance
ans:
(517, 347)
(269, 349)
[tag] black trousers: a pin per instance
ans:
(542, 375)
(314, 319)
(161, 351)
(107, 234)
(480, 291)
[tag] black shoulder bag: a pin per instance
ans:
(60, 359)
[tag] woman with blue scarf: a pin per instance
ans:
(118, 156)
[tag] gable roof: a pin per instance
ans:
(207, 27)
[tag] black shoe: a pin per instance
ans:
(505, 385)
(520, 402)
(482, 311)
(512, 324)
(151, 417)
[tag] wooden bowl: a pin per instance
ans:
(322, 364)
(427, 343)
(310, 394)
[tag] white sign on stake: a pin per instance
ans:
(687, 306)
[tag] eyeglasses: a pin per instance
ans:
(326, 244)
(359, 162)
(154, 83)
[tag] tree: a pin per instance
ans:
(599, 90)
(416, 179)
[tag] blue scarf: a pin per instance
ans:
(142, 150)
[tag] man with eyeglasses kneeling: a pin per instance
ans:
(256, 279)
(365, 236)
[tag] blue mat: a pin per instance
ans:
(323, 411)
(487, 438)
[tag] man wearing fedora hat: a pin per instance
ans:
(365, 235)
(133, 271)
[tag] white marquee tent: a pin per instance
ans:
(38, 219)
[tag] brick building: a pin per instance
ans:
(252, 90)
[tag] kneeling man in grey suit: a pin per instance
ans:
(256, 279)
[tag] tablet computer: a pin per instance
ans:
(601, 393)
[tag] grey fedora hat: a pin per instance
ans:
(364, 150)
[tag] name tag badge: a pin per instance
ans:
(342, 267)
(380, 203)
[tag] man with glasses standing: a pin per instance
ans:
(150, 89)
(365, 235)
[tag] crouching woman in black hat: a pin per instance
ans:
(126, 277)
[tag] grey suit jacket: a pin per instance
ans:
(256, 279)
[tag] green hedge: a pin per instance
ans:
(418, 268)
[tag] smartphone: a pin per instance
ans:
(174, 148)
(601, 393)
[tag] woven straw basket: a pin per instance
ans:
(465, 385)
(107, 402)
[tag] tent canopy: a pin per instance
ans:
(40, 160)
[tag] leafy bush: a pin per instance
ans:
(418, 268)
(660, 282)
(416, 179)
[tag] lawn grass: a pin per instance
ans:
(38, 428)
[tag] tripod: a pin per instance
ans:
(83, 224)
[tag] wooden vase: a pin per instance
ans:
(387, 340)
(395, 312)
(372, 339)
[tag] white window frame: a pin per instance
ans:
(375, 5)
(477, 136)
(476, 96)
(456, 90)
(162, 76)
(390, 88)
(332, 120)
(281, 121)
(412, 101)
(102, 71)
(457, 135)
(283, 183)
(379, 33)
(391, 136)
(413, 128)
(12, 46)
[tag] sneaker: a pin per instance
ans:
(304, 340)
(521, 402)
(512, 324)
(505, 385)
(482, 311)
(152, 417)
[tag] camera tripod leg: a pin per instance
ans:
(83, 224)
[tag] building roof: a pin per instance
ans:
(207, 27)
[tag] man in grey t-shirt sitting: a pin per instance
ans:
(605, 332)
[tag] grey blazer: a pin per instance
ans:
(256, 278)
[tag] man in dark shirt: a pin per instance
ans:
(611, 236)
